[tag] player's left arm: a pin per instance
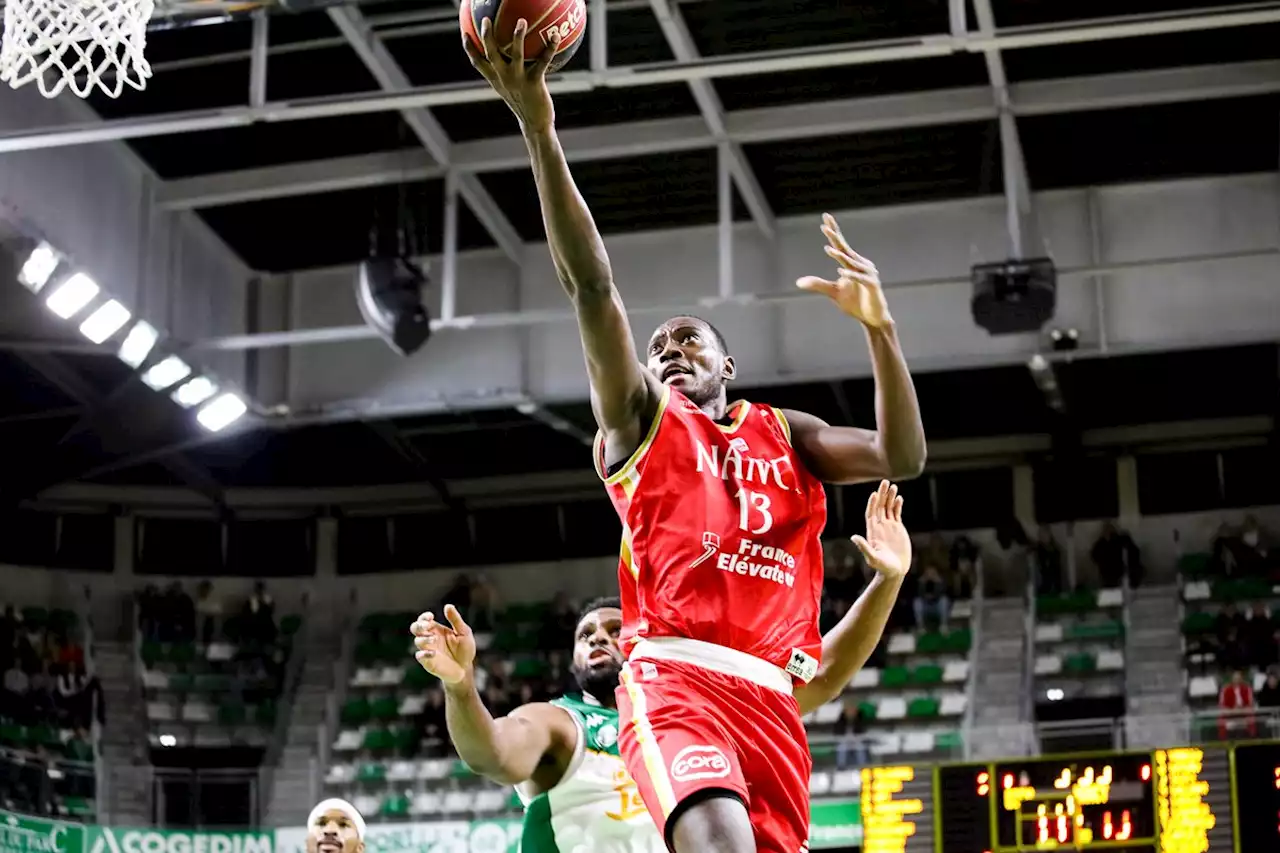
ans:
(896, 448)
(847, 646)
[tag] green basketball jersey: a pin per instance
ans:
(596, 807)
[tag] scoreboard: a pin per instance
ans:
(1183, 800)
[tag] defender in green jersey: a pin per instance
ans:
(562, 756)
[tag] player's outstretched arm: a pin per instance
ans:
(623, 395)
(847, 646)
(535, 740)
(896, 448)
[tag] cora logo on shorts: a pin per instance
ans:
(699, 762)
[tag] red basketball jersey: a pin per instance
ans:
(720, 534)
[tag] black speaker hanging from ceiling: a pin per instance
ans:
(390, 285)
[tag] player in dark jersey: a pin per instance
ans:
(704, 763)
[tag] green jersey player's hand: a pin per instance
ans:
(886, 547)
(448, 653)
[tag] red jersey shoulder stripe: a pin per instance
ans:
(602, 470)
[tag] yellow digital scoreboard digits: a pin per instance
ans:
(888, 812)
(1185, 816)
(1107, 801)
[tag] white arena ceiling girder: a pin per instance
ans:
(771, 124)
(745, 64)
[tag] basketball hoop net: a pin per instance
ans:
(81, 44)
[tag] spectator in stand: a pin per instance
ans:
(484, 605)
(259, 615)
(1234, 652)
(208, 611)
(459, 595)
(40, 696)
(8, 636)
(851, 728)
(1269, 695)
(16, 684)
(1046, 558)
(1258, 635)
(149, 606)
(1236, 696)
(931, 603)
(1254, 544)
(177, 616)
(935, 553)
(1117, 557)
(966, 567)
(1229, 618)
(72, 696)
(561, 622)
(433, 732)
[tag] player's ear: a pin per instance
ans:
(730, 370)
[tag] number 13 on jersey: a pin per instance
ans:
(753, 512)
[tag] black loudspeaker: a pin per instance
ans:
(389, 292)
(1014, 296)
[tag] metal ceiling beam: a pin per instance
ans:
(391, 78)
(772, 124)
(1017, 185)
(704, 94)
(96, 406)
(744, 64)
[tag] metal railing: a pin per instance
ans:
(38, 784)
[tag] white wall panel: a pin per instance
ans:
(94, 203)
(924, 253)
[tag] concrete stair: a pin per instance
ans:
(1154, 675)
(1000, 673)
(127, 799)
(294, 785)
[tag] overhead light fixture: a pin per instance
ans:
(195, 392)
(70, 297)
(38, 268)
(105, 321)
(221, 412)
(138, 343)
(167, 373)
(168, 740)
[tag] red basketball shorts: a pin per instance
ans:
(686, 729)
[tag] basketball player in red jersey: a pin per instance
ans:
(722, 508)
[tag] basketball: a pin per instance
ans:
(568, 17)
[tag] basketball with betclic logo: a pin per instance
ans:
(568, 18)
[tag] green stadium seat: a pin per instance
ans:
(378, 740)
(894, 676)
(44, 736)
(405, 740)
(371, 773)
(78, 807)
(395, 807)
(928, 674)
(529, 668)
(180, 682)
(78, 750)
(182, 653)
(231, 714)
(395, 650)
(930, 643)
(368, 653)
(951, 741)
(355, 712)
(1198, 623)
(12, 734)
(460, 770)
(63, 620)
(290, 624)
(371, 623)
(266, 713)
(152, 654)
(1195, 566)
(868, 710)
(384, 708)
(923, 707)
(507, 639)
(35, 617)
(1111, 630)
(1082, 663)
(959, 641)
(416, 678)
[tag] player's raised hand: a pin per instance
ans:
(446, 652)
(856, 288)
(886, 547)
(523, 87)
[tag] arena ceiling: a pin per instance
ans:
(293, 134)
(899, 103)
